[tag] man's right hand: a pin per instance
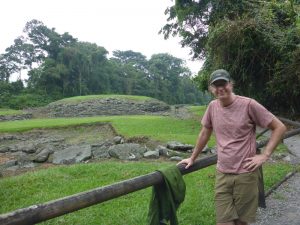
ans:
(189, 162)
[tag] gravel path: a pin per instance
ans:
(283, 205)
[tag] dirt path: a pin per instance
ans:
(283, 205)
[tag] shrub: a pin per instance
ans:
(28, 100)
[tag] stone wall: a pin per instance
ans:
(15, 117)
(107, 106)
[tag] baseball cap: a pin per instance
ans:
(219, 75)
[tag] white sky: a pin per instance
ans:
(113, 24)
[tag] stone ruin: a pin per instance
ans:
(19, 151)
(31, 149)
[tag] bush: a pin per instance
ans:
(28, 100)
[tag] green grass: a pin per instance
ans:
(197, 110)
(157, 127)
(77, 99)
(5, 112)
(45, 185)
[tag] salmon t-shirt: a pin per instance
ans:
(234, 127)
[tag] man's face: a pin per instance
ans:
(221, 89)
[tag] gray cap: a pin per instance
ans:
(219, 75)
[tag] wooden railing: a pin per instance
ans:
(42, 212)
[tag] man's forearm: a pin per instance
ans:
(278, 129)
(201, 142)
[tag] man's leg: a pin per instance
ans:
(228, 223)
(225, 210)
(238, 222)
(246, 197)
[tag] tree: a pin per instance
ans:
(46, 41)
(37, 43)
(165, 73)
(251, 39)
(133, 71)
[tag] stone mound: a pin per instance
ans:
(105, 106)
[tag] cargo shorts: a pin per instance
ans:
(236, 196)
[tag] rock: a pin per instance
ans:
(278, 156)
(28, 148)
(101, 150)
(206, 150)
(213, 151)
(118, 140)
(132, 156)
(24, 147)
(287, 158)
(175, 145)
(22, 157)
(7, 137)
(43, 155)
(127, 151)
(13, 168)
(4, 149)
(163, 151)
(14, 148)
(73, 154)
(176, 158)
(151, 154)
(8, 164)
(29, 165)
(172, 153)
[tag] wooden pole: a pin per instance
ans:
(286, 135)
(290, 122)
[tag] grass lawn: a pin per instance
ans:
(157, 127)
(197, 110)
(5, 112)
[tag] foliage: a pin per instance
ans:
(28, 101)
(257, 41)
(59, 66)
(6, 91)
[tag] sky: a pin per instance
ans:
(113, 24)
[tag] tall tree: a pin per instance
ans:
(165, 72)
(133, 71)
(251, 39)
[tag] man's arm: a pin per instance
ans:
(278, 129)
(202, 140)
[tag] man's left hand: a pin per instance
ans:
(254, 162)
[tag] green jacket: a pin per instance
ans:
(166, 198)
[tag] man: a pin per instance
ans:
(233, 119)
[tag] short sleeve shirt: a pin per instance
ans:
(234, 127)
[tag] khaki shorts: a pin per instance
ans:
(236, 196)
